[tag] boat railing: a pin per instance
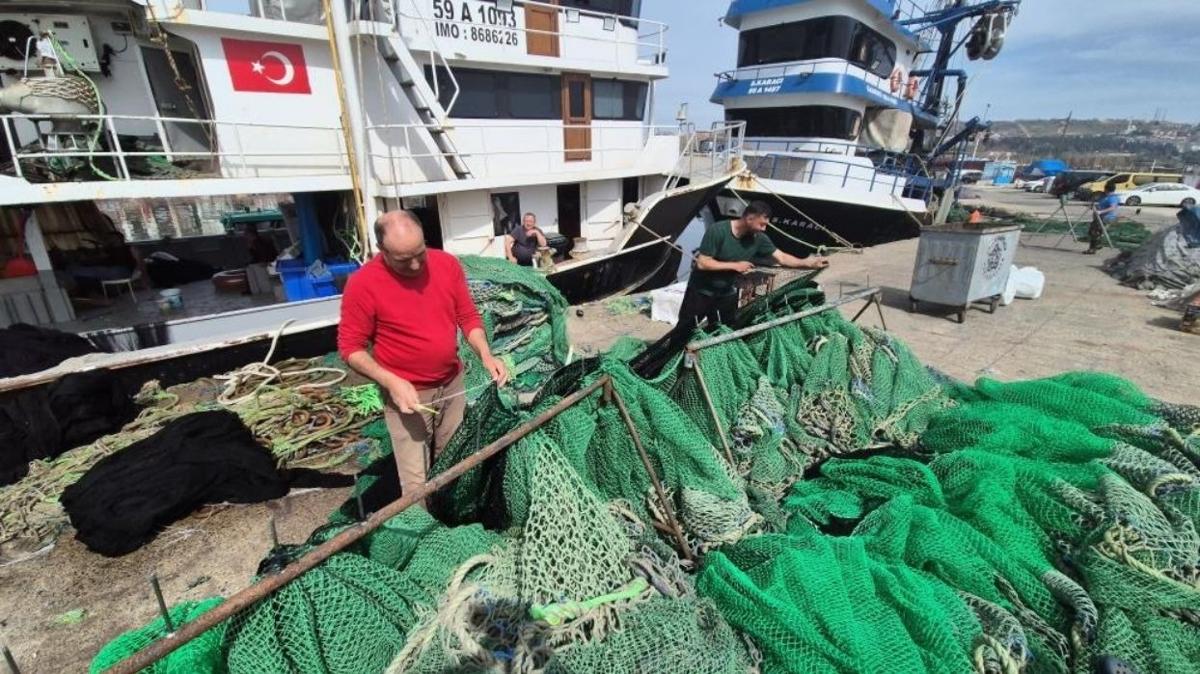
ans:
(707, 155)
(814, 145)
(829, 170)
(648, 38)
(234, 149)
(400, 155)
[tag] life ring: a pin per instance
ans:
(913, 88)
(897, 79)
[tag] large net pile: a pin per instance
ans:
(842, 508)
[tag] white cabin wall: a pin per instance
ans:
(542, 201)
(398, 155)
(488, 37)
(127, 92)
(467, 224)
(467, 227)
(601, 212)
(319, 109)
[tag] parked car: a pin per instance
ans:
(1039, 186)
(1161, 194)
(1124, 182)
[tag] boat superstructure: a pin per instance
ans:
(468, 112)
(842, 100)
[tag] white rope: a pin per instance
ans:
(268, 374)
(832, 234)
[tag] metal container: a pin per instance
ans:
(960, 264)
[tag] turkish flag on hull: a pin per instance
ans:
(272, 67)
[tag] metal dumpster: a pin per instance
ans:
(960, 264)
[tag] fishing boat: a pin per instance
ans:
(845, 108)
(132, 129)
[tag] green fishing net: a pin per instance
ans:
(849, 511)
(200, 656)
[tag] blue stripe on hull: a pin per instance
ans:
(816, 83)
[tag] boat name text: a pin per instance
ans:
(768, 86)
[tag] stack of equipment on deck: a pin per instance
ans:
(874, 517)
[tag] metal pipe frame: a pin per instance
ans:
(866, 293)
(672, 523)
(692, 359)
(251, 595)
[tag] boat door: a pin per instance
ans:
(541, 29)
(577, 116)
(173, 102)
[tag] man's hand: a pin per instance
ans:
(512, 259)
(741, 267)
(404, 395)
(817, 262)
(495, 368)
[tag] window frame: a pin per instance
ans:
(499, 86)
(635, 95)
(834, 37)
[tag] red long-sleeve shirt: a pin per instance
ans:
(413, 323)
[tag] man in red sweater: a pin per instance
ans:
(409, 303)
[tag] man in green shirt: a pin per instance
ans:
(729, 249)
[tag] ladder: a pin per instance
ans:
(424, 98)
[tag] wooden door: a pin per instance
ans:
(541, 29)
(577, 116)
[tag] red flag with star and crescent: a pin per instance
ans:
(272, 67)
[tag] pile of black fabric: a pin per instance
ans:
(202, 458)
(28, 348)
(46, 421)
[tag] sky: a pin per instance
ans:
(1092, 58)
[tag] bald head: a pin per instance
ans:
(401, 242)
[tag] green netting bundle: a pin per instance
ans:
(202, 655)
(525, 320)
(348, 615)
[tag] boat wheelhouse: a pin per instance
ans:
(836, 98)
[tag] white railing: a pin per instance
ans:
(513, 150)
(710, 154)
(649, 41)
(798, 144)
(827, 171)
(235, 161)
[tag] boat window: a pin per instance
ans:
(810, 121)
(576, 93)
(534, 96)
(827, 37)
(490, 94)
(622, 7)
(616, 99)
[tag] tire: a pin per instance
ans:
(1187, 203)
(1133, 201)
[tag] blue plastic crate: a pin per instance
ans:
(298, 284)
